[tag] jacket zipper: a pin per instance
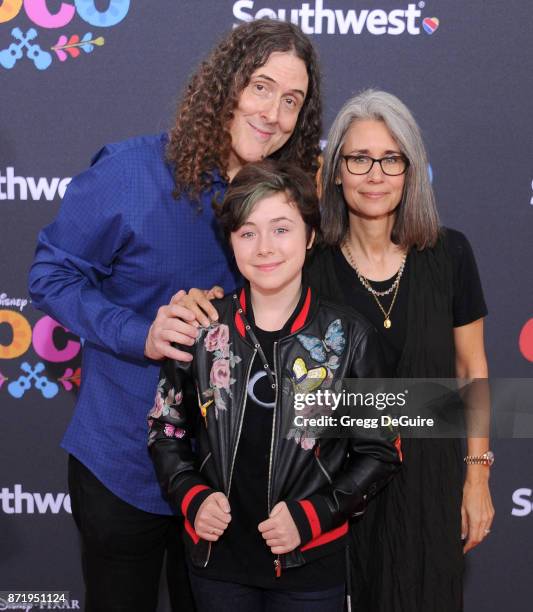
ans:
(208, 553)
(241, 422)
(277, 560)
(204, 462)
(236, 445)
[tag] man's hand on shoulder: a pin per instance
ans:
(174, 323)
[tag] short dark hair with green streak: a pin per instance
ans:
(260, 180)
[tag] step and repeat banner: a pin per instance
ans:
(75, 75)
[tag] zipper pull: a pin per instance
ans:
(277, 567)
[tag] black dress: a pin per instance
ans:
(406, 550)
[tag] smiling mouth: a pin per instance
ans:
(264, 135)
(372, 195)
(268, 267)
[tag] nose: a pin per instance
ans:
(270, 110)
(375, 173)
(264, 245)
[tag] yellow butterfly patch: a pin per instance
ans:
(306, 380)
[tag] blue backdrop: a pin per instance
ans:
(75, 75)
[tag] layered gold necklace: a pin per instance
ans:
(387, 323)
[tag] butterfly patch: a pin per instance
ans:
(333, 342)
(306, 380)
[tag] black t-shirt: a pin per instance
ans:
(468, 301)
(241, 555)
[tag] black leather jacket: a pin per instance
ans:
(324, 481)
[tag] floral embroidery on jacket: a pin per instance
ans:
(216, 341)
(173, 432)
(165, 403)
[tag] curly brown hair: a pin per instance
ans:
(200, 141)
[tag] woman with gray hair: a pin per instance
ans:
(387, 256)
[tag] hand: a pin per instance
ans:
(198, 301)
(173, 323)
(279, 530)
(477, 512)
(212, 517)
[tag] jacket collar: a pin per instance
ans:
(299, 318)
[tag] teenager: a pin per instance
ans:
(266, 509)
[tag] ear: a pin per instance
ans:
(338, 181)
(311, 239)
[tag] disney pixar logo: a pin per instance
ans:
(65, 45)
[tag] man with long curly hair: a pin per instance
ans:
(133, 229)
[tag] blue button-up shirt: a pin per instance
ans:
(120, 247)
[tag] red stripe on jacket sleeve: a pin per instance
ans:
(190, 530)
(329, 536)
(189, 497)
(312, 517)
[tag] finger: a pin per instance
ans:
(169, 351)
(220, 506)
(222, 502)
(210, 537)
(270, 534)
(209, 522)
(215, 292)
(475, 535)
(196, 311)
(281, 550)
(275, 542)
(170, 336)
(216, 513)
(276, 509)
(183, 310)
(178, 296)
(266, 525)
(185, 328)
(464, 524)
(204, 303)
(215, 530)
(471, 543)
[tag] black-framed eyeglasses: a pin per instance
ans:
(391, 165)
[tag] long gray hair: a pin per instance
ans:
(417, 221)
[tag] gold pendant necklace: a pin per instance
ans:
(387, 323)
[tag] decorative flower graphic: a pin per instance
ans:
(173, 432)
(216, 341)
(166, 402)
(72, 45)
(217, 338)
(220, 374)
(70, 378)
